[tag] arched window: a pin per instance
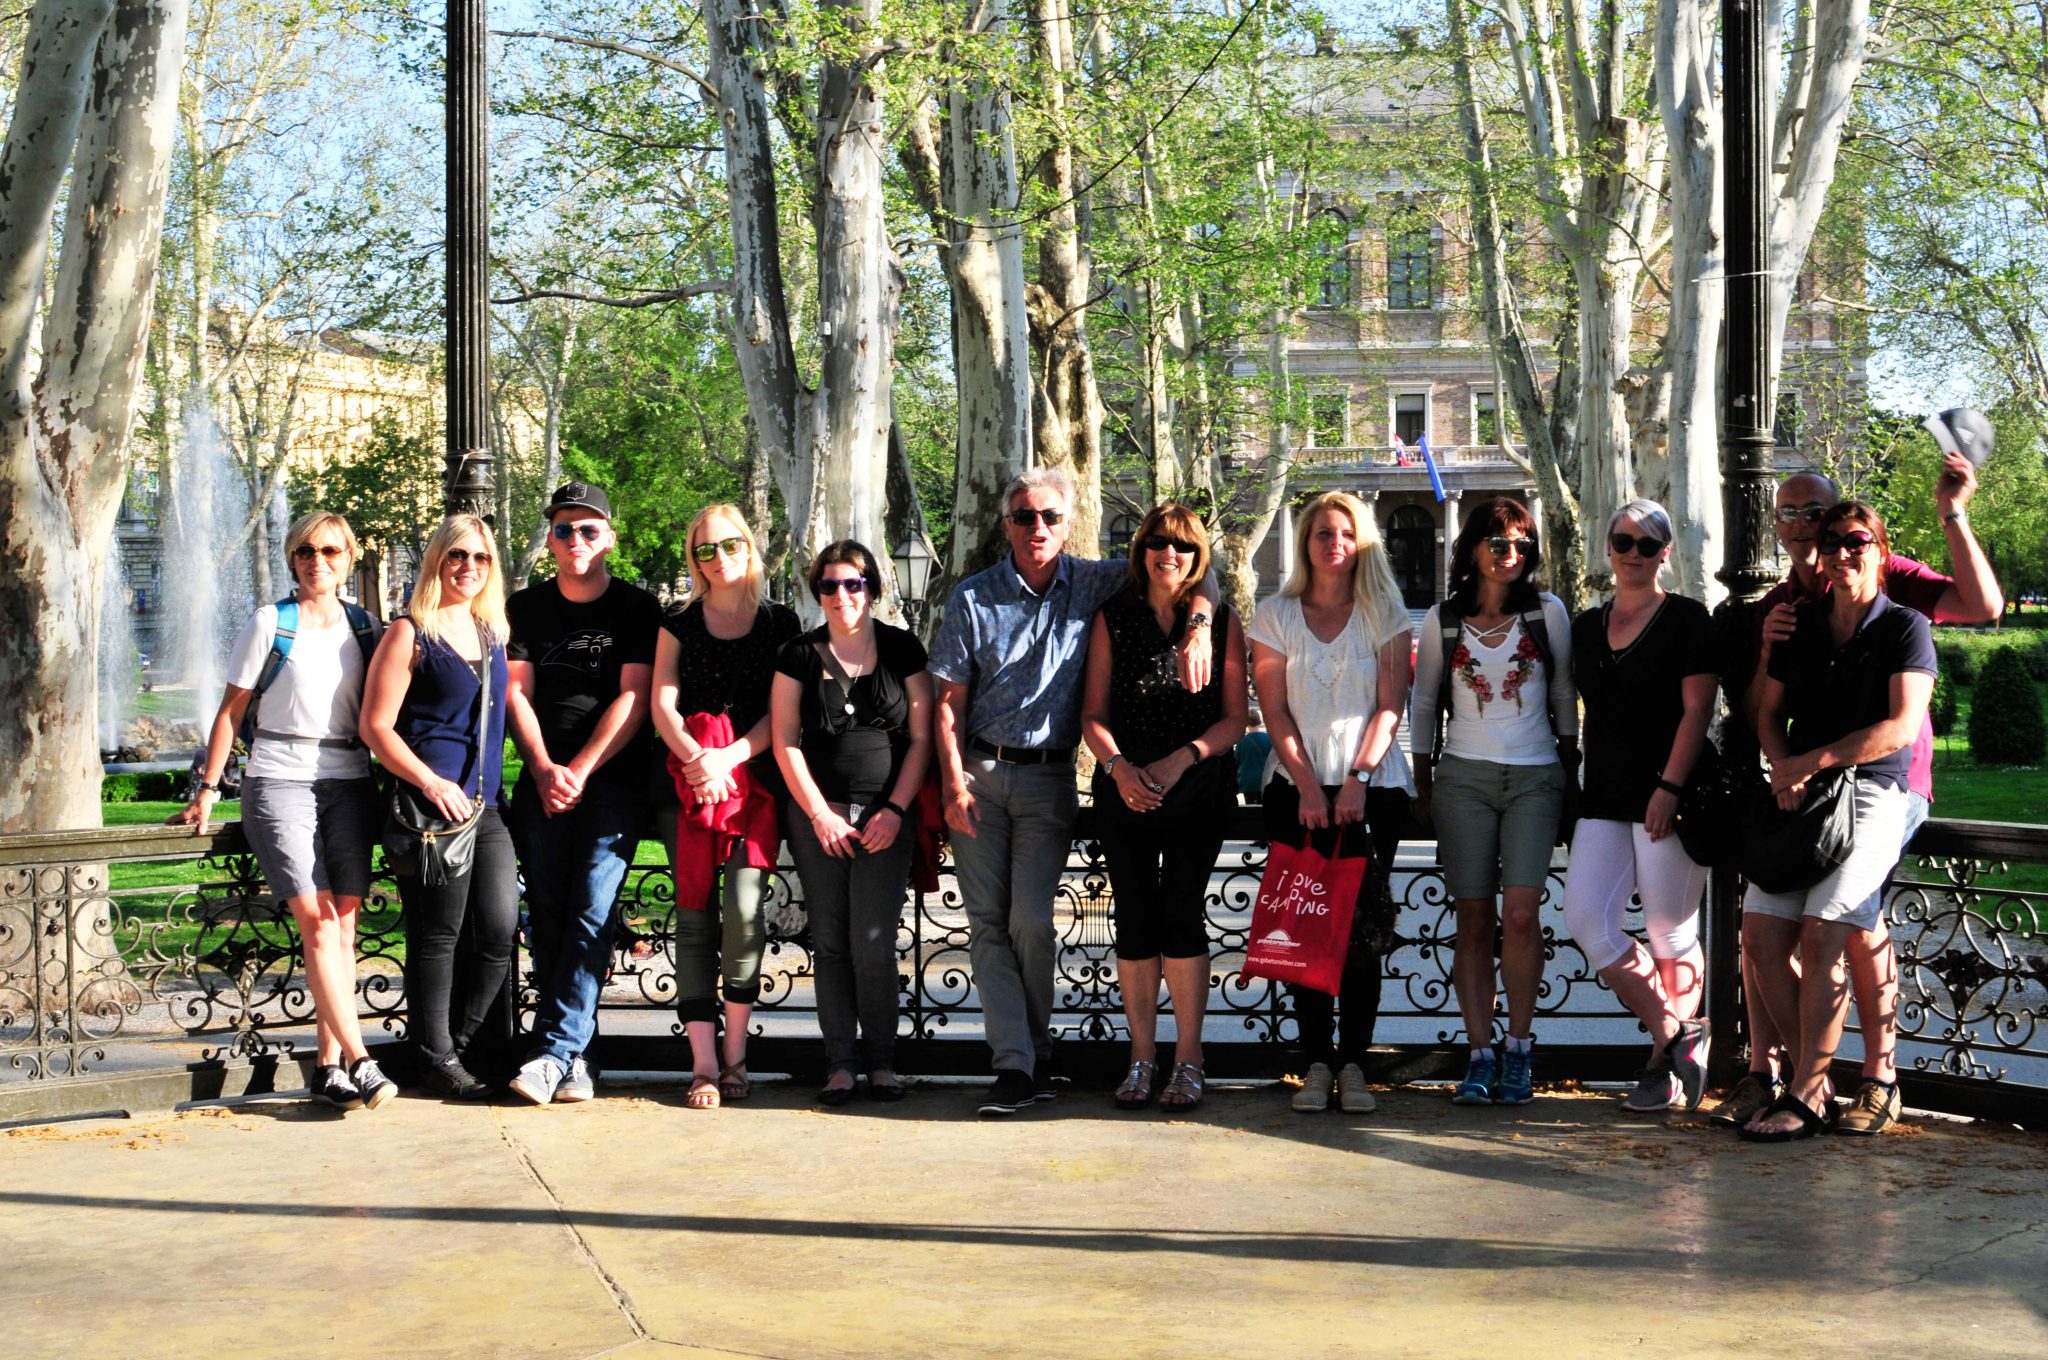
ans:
(1410, 264)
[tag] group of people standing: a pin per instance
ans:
(726, 729)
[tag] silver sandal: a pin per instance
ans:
(1136, 1092)
(1184, 1090)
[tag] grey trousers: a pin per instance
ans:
(1009, 872)
(855, 908)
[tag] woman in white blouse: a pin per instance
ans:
(1330, 656)
(1496, 657)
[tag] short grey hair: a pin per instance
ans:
(1652, 516)
(1055, 479)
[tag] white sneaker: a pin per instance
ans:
(539, 1078)
(1352, 1095)
(1314, 1095)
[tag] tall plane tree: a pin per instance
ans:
(97, 101)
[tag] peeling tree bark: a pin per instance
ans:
(827, 446)
(1066, 403)
(98, 92)
(1692, 128)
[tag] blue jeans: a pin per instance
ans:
(575, 863)
(1009, 873)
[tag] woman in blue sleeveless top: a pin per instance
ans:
(423, 718)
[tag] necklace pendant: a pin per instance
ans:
(849, 708)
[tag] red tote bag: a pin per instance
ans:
(1301, 927)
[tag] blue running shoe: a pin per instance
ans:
(1516, 1086)
(1482, 1075)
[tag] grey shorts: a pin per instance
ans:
(1853, 895)
(312, 836)
(1495, 824)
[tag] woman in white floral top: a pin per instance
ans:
(1495, 658)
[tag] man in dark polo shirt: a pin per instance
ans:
(1971, 596)
(581, 659)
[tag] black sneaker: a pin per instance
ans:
(1010, 1092)
(451, 1079)
(371, 1081)
(1042, 1087)
(332, 1085)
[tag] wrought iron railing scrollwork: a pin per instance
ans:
(95, 978)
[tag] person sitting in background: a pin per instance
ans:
(1254, 750)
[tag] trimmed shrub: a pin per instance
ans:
(1941, 709)
(1958, 662)
(120, 788)
(2035, 653)
(159, 785)
(2006, 727)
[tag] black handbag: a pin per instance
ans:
(1787, 852)
(1712, 808)
(418, 841)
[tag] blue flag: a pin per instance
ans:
(1436, 479)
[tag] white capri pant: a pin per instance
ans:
(1614, 861)
(1850, 894)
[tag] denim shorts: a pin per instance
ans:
(1495, 824)
(312, 836)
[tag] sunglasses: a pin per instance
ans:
(1624, 544)
(1812, 512)
(1160, 543)
(589, 533)
(1501, 545)
(1855, 541)
(1027, 517)
(852, 585)
(305, 552)
(731, 547)
(462, 557)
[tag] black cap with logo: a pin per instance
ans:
(579, 496)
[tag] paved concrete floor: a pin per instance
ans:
(634, 1227)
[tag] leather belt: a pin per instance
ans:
(1023, 755)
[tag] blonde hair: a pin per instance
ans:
(487, 607)
(305, 526)
(754, 586)
(1373, 587)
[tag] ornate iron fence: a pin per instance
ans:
(112, 974)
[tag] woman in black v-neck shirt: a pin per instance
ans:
(851, 716)
(1645, 667)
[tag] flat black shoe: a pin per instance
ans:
(451, 1079)
(836, 1095)
(1010, 1092)
(888, 1092)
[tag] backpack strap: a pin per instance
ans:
(364, 627)
(1450, 626)
(1539, 632)
(280, 652)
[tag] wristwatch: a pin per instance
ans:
(1955, 517)
(1361, 776)
(1198, 620)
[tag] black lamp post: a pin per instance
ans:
(1749, 560)
(914, 561)
(470, 486)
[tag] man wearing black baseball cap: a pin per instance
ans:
(581, 658)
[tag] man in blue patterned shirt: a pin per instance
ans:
(1009, 659)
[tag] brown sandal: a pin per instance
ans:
(1184, 1090)
(733, 1083)
(703, 1094)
